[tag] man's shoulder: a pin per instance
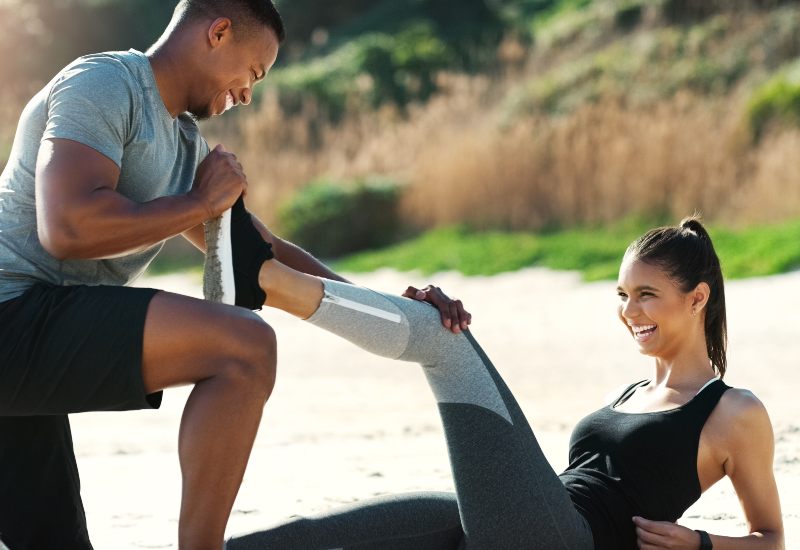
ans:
(104, 69)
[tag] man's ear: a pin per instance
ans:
(219, 31)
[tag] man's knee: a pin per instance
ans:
(252, 360)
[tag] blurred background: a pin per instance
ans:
(486, 135)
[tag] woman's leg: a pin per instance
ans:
(508, 494)
(413, 521)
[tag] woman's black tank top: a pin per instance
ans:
(636, 464)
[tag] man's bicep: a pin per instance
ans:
(65, 167)
(67, 172)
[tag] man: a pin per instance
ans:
(105, 166)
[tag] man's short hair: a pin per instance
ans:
(245, 14)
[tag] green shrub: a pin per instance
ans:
(402, 67)
(328, 81)
(331, 218)
(776, 101)
(628, 15)
(374, 68)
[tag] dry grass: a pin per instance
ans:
(462, 161)
(462, 164)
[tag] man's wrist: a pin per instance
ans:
(705, 540)
(200, 207)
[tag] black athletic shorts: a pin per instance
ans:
(63, 349)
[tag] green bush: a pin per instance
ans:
(332, 218)
(628, 15)
(776, 101)
(373, 69)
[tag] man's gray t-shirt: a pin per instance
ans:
(109, 102)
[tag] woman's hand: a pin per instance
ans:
(454, 316)
(657, 535)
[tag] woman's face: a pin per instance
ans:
(656, 312)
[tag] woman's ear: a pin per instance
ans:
(699, 297)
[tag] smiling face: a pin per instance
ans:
(233, 65)
(657, 313)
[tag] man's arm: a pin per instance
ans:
(295, 257)
(80, 214)
(285, 252)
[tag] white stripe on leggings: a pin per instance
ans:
(363, 308)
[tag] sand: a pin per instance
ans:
(343, 425)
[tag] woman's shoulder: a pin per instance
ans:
(741, 402)
(740, 415)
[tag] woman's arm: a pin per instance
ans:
(749, 466)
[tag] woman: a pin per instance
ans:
(635, 465)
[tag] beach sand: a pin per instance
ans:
(343, 425)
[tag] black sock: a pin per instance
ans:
(250, 251)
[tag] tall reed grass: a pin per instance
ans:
(462, 163)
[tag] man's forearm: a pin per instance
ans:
(111, 225)
(298, 259)
(291, 255)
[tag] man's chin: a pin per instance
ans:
(201, 114)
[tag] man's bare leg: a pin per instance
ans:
(229, 354)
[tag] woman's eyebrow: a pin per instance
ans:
(639, 288)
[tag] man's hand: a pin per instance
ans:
(454, 316)
(658, 535)
(219, 181)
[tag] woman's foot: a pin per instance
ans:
(236, 252)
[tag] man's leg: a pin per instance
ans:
(75, 349)
(40, 504)
(220, 350)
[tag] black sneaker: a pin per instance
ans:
(235, 253)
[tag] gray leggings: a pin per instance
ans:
(507, 495)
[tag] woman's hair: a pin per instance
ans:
(685, 252)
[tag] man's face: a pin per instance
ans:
(234, 65)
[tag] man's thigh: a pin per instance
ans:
(40, 503)
(66, 349)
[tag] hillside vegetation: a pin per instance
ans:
(563, 113)
(502, 115)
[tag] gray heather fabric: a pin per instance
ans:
(110, 102)
(507, 495)
(409, 338)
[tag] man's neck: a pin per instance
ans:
(168, 71)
